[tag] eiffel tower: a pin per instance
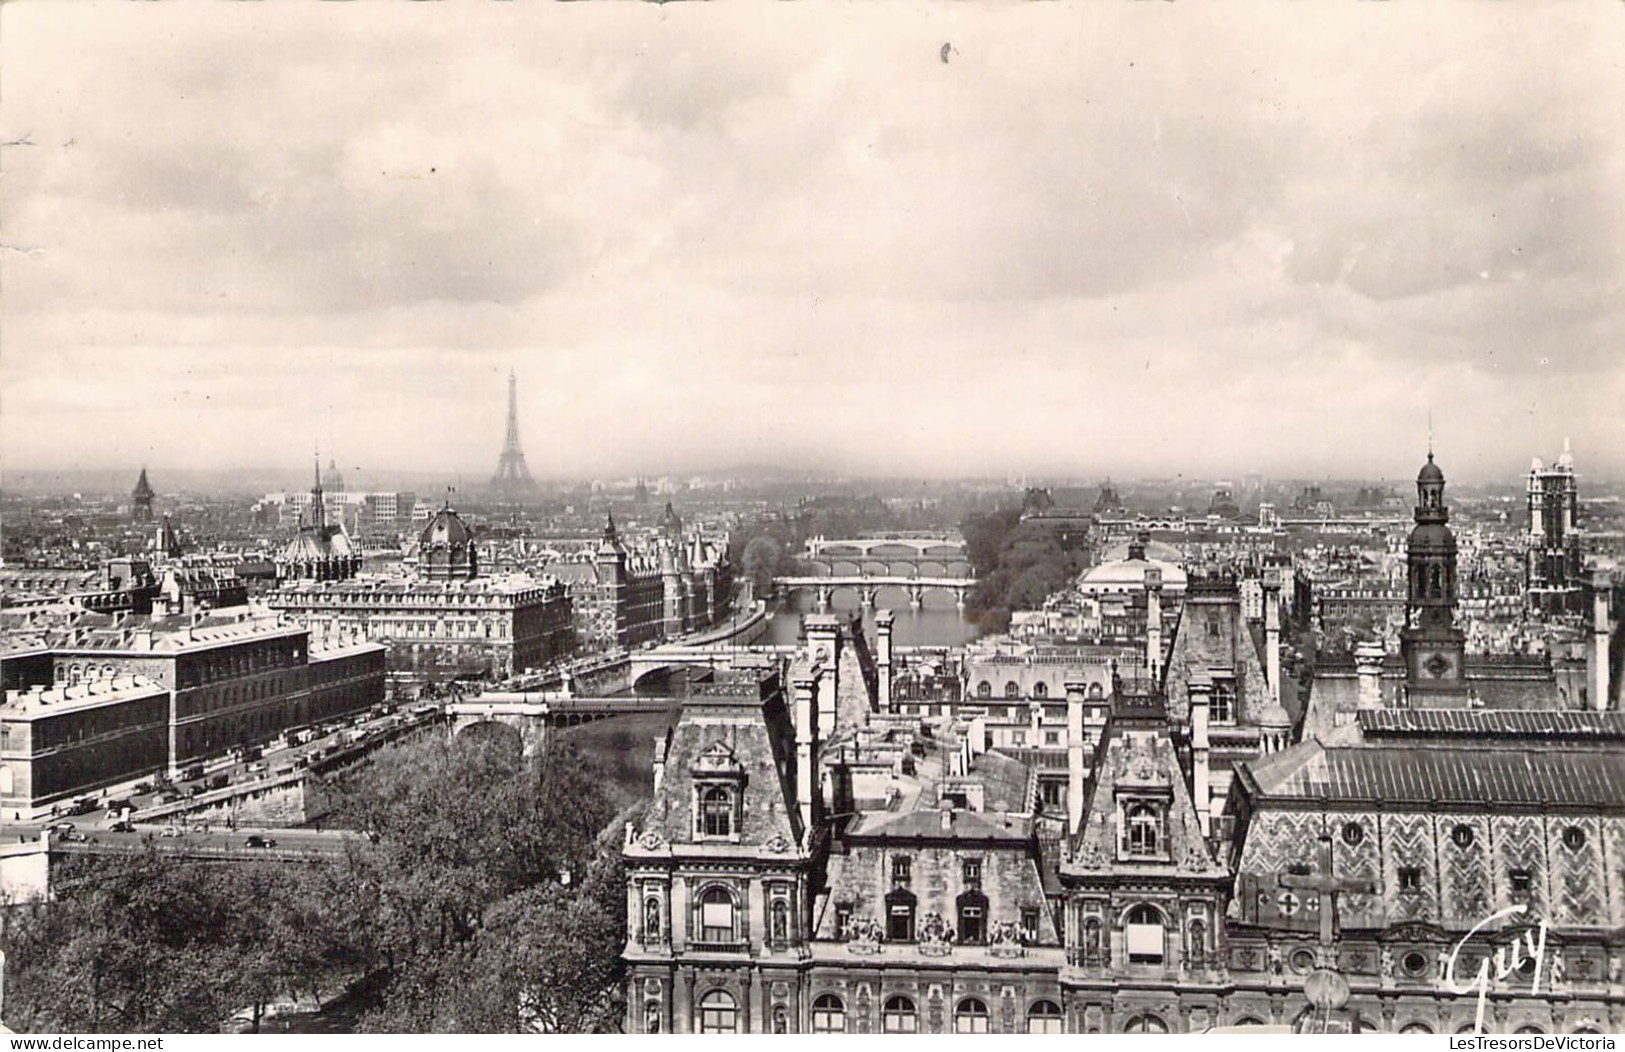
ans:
(512, 480)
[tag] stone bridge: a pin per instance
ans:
(941, 555)
(527, 717)
(867, 586)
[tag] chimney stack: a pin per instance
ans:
(1368, 666)
(823, 637)
(1201, 688)
(1153, 624)
(1600, 586)
(804, 688)
(883, 657)
(1074, 754)
(1272, 632)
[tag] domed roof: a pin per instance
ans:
(444, 530)
(1432, 536)
(1131, 572)
(1430, 472)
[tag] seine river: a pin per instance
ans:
(937, 623)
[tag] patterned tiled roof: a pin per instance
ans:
(1420, 775)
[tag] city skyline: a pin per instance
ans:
(956, 242)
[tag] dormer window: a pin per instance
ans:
(1012, 689)
(717, 812)
(1144, 830)
(1040, 689)
(1222, 707)
(973, 873)
(902, 871)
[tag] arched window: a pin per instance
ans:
(717, 811)
(984, 689)
(716, 915)
(1143, 935)
(1144, 829)
(971, 1016)
(899, 1017)
(1040, 689)
(1416, 1028)
(1529, 1028)
(1248, 1020)
(1095, 691)
(1044, 1017)
(717, 1013)
(1146, 1024)
(829, 1015)
(1012, 689)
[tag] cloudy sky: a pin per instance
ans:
(1109, 238)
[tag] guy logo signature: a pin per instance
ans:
(1507, 959)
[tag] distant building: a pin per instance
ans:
(1553, 573)
(141, 499)
(625, 597)
(447, 622)
(321, 550)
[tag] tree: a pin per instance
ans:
(761, 562)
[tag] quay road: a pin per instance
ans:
(338, 738)
(216, 842)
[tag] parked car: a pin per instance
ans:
(219, 781)
(60, 829)
(171, 796)
(172, 831)
(85, 806)
(122, 826)
(258, 765)
(193, 773)
(255, 840)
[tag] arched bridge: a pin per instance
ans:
(940, 555)
(528, 717)
(868, 586)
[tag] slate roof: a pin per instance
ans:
(1432, 776)
(1542, 724)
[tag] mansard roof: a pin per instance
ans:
(735, 729)
(1132, 764)
(1229, 643)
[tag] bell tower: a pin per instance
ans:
(1434, 648)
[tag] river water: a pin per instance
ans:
(936, 623)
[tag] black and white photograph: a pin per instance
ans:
(919, 518)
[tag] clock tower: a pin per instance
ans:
(1434, 648)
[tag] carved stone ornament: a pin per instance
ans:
(651, 841)
(863, 936)
(778, 843)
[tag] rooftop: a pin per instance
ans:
(1433, 776)
(52, 701)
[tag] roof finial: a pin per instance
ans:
(1430, 434)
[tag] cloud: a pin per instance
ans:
(1096, 239)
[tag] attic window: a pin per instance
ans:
(716, 811)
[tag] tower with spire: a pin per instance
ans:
(141, 498)
(320, 551)
(512, 481)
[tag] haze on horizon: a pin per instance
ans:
(1104, 239)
